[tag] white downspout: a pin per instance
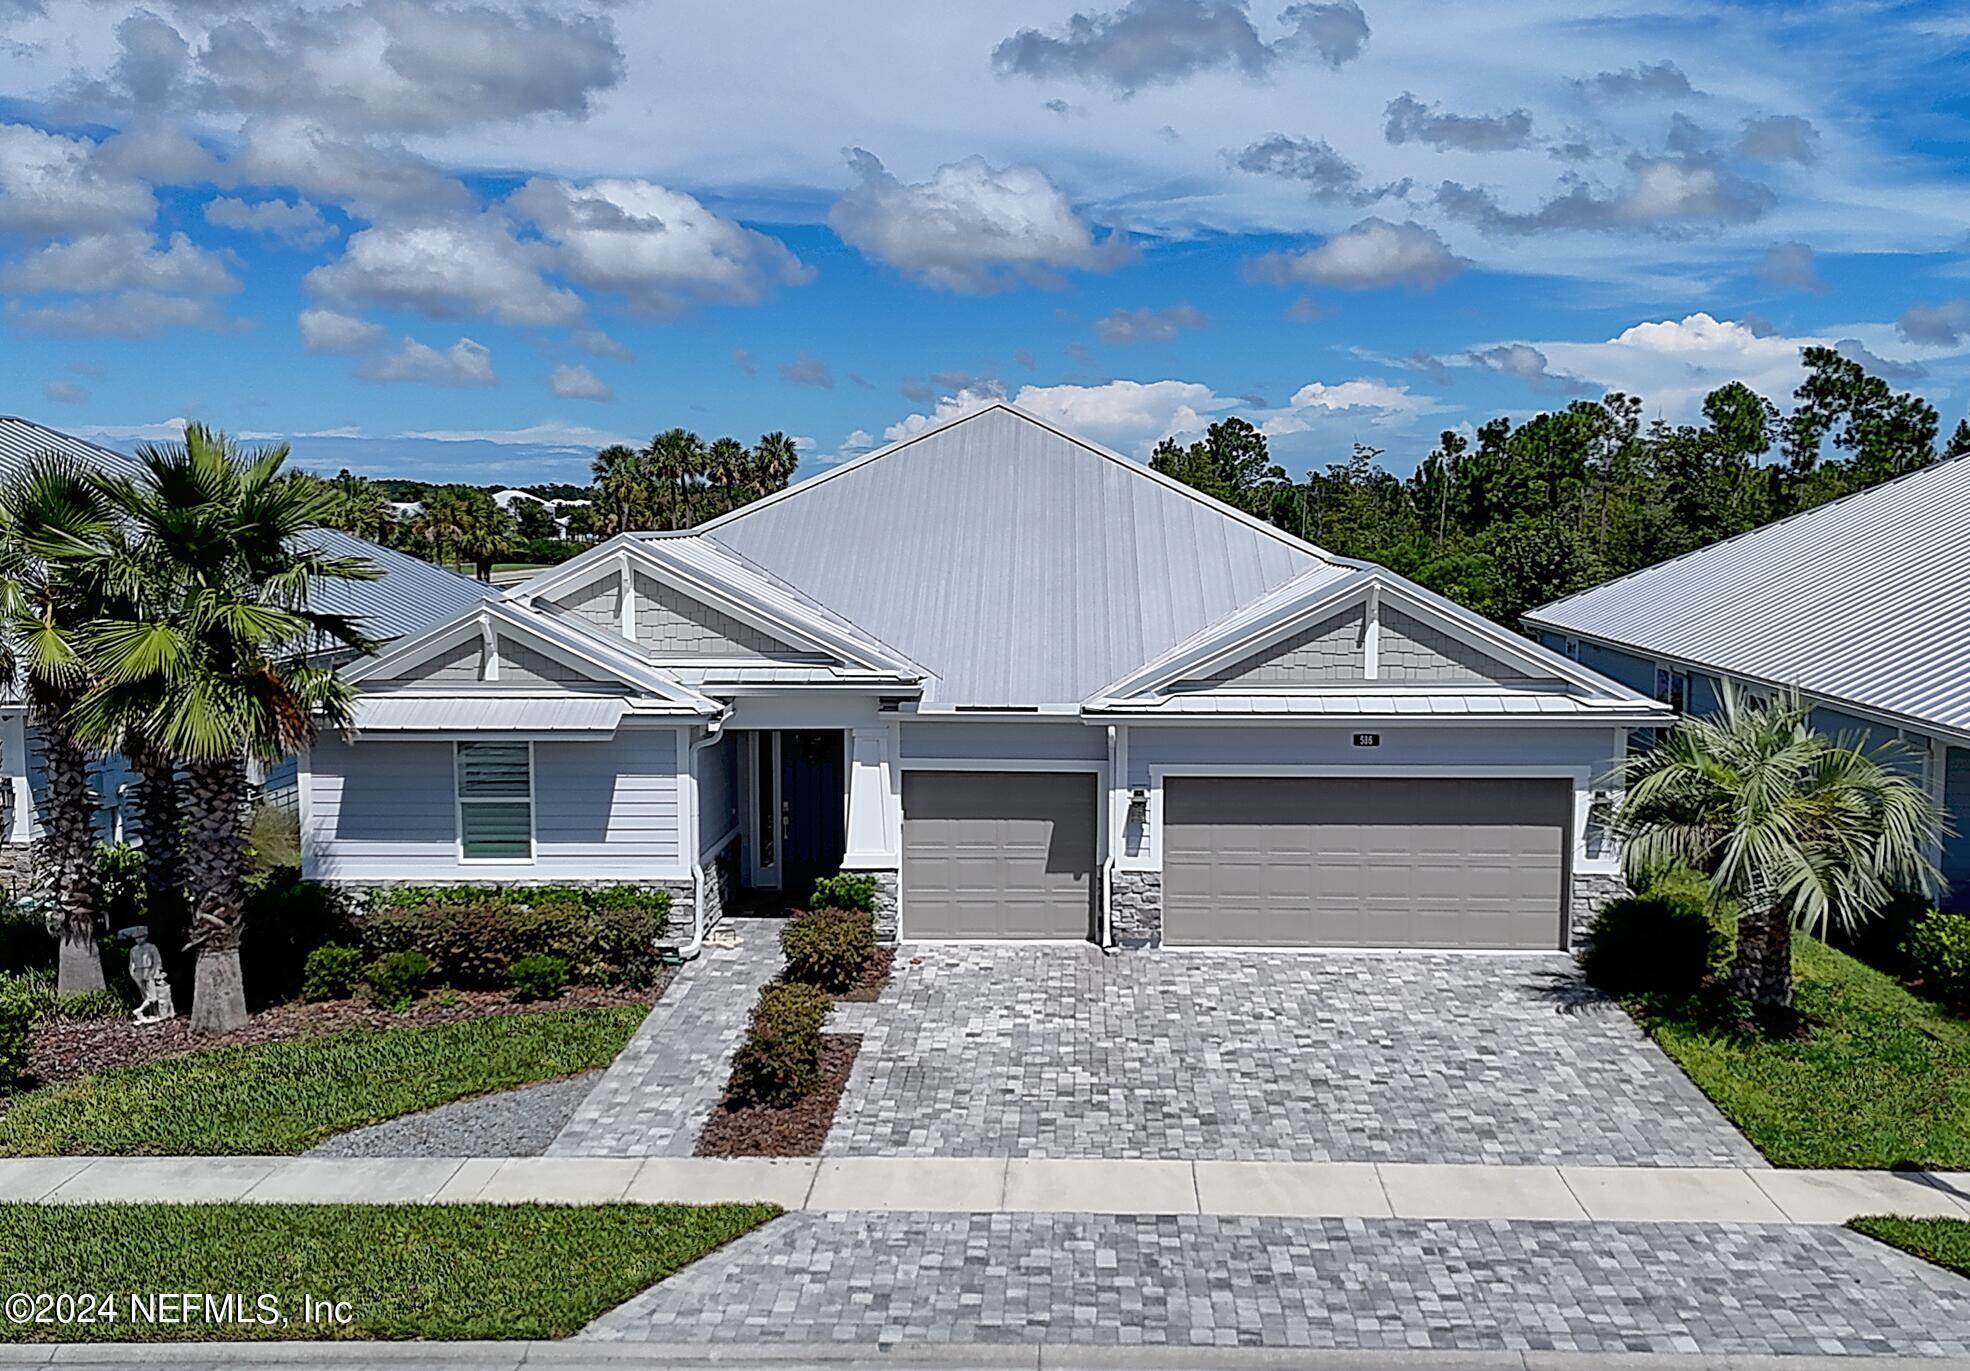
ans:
(1108, 866)
(714, 731)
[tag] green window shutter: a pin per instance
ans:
(495, 800)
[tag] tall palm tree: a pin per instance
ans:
(774, 460)
(484, 531)
(622, 487)
(1789, 825)
(211, 653)
(676, 461)
(727, 468)
(51, 513)
(442, 524)
(361, 507)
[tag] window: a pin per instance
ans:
(1571, 646)
(1672, 687)
(495, 802)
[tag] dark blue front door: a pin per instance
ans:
(813, 801)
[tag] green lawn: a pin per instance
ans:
(1884, 1079)
(405, 1271)
(285, 1097)
(1946, 1242)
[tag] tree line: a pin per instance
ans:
(676, 480)
(1520, 514)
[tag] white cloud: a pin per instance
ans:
(464, 363)
(295, 222)
(369, 179)
(66, 392)
(808, 370)
(125, 314)
(1373, 402)
(971, 227)
(1673, 363)
(403, 66)
(327, 330)
(1158, 42)
(661, 250)
(51, 184)
(1372, 254)
(1149, 325)
(124, 259)
(579, 383)
(852, 446)
(552, 434)
(1790, 265)
(448, 270)
(1939, 325)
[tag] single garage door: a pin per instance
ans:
(998, 854)
(1346, 862)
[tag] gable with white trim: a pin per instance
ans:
(1328, 651)
(670, 623)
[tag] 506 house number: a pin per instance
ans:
(1367, 740)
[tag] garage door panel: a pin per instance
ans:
(998, 854)
(1365, 862)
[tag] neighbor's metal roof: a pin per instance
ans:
(411, 595)
(1020, 565)
(23, 440)
(1864, 600)
(408, 713)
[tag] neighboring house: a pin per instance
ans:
(1862, 604)
(1035, 689)
(409, 596)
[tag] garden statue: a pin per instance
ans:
(147, 971)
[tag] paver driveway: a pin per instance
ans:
(1064, 1052)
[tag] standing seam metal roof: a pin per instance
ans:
(1864, 600)
(1021, 565)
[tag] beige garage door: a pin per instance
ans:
(998, 854)
(1345, 862)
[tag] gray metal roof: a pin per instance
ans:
(23, 441)
(411, 595)
(1019, 564)
(1864, 600)
(1385, 703)
(408, 713)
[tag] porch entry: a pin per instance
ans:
(796, 817)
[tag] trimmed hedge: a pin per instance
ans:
(828, 947)
(332, 972)
(1660, 942)
(539, 978)
(392, 979)
(474, 935)
(845, 892)
(780, 1059)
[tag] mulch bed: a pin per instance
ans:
(796, 1131)
(65, 1051)
(875, 975)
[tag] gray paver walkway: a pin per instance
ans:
(1062, 1052)
(934, 1278)
(655, 1097)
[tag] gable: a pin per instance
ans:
(599, 602)
(458, 665)
(1330, 650)
(523, 665)
(670, 623)
(1416, 653)
(520, 664)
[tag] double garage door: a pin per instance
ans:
(1248, 861)
(1358, 862)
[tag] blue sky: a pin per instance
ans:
(474, 242)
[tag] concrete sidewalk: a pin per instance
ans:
(516, 1356)
(1022, 1185)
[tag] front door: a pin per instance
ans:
(813, 807)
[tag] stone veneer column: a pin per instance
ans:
(1591, 890)
(889, 886)
(1136, 909)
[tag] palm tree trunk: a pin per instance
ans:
(160, 826)
(215, 853)
(65, 866)
(1762, 970)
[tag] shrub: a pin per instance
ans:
(1660, 942)
(845, 892)
(88, 1004)
(622, 942)
(828, 947)
(332, 973)
(474, 934)
(273, 838)
(393, 978)
(287, 918)
(1938, 946)
(539, 978)
(781, 1056)
(25, 944)
(17, 1019)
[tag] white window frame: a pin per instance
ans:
(459, 801)
(1666, 673)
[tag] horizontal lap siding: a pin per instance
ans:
(603, 811)
(1008, 740)
(1523, 745)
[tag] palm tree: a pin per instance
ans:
(50, 512)
(774, 460)
(441, 525)
(210, 653)
(622, 487)
(727, 467)
(361, 507)
(484, 531)
(1789, 825)
(676, 460)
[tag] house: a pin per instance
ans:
(1860, 604)
(408, 596)
(1036, 690)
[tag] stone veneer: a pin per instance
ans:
(1136, 909)
(1591, 890)
(889, 890)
